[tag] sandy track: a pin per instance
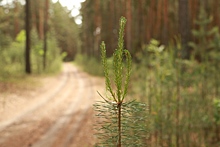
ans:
(59, 116)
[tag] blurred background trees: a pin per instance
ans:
(174, 45)
(53, 36)
(175, 49)
(147, 19)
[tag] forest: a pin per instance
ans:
(174, 46)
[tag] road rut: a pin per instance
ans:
(60, 116)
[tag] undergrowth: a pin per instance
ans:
(90, 65)
(12, 56)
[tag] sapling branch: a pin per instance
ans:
(118, 114)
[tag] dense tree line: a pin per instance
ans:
(147, 19)
(182, 95)
(57, 17)
(43, 21)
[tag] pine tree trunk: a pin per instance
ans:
(41, 20)
(97, 27)
(165, 34)
(158, 19)
(129, 22)
(184, 28)
(28, 41)
(45, 32)
(119, 126)
(16, 24)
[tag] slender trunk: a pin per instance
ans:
(16, 24)
(45, 33)
(184, 28)
(128, 26)
(216, 12)
(165, 34)
(217, 132)
(161, 115)
(119, 126)
(41, 20)
(140, 24)
(150, 18)
(177, 106)
(97, 28)
(158, 20)
(145, 27)
(193, 6)
(111, 25)
(28, 41)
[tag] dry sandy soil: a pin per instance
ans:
(56, 113)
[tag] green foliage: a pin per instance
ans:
(66, 30)
(216, 104)
(54, 57)
(122, 123)
(21, 37)
(89, 64)
(5, 41)
(121, 91)
(204, 36)
(133, 123)
(12, 56)
(182, 95)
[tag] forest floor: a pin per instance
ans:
(55, 112)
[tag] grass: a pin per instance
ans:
(22, 82)
(90, 65)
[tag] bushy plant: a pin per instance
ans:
(12, 56)
(180, 95)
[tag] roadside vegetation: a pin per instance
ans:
(174, 45)
(183, 95)
(51, 43)
(48, 45)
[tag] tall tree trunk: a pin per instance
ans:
(28, 41)
(158, 19)
(16, 24)
(140, 24)
(41, 19)
(194, 5)
(45, 32)
(184, 28)
(128, 27)
(145, 27)
(97, 27)
(165, 34)
(150, 20)
(34, 17)
(216, 12)
(111, 26)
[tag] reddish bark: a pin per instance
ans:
(16, 19)
(165, 21)
(128, 24)
(158, 18)
(41, 20)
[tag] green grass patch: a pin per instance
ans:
(90, 65)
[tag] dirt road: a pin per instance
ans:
(59, 114)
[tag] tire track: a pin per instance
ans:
(77, 121)
(49, 95)
(56, 120)
(49, 137)
(37, 126)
